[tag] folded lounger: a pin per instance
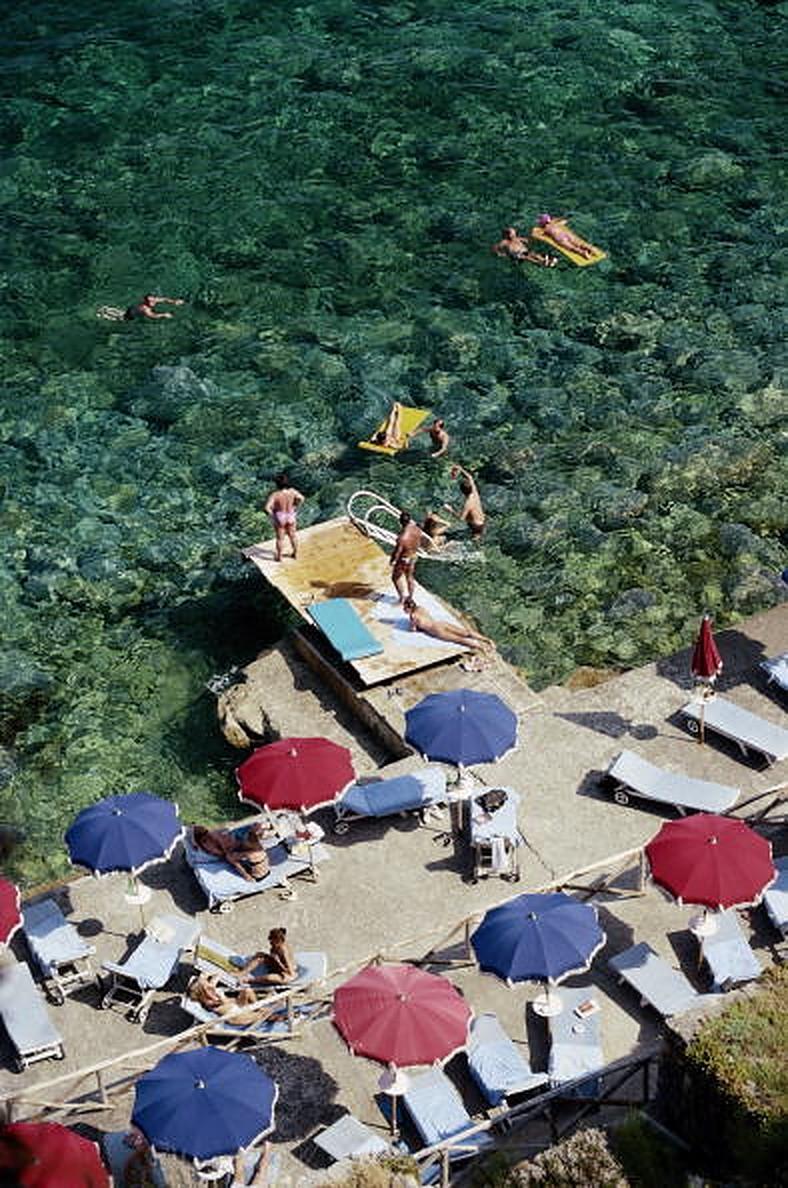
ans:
(658, 984)
(344, 629)
(629, 773)
(222, 884)
(497, 1066)
(62, 956)
(32, 1033)
(409, 419)
(748, 730)
(728, 954)
(347, 1138)
(495, 837)
(575, 1043)
(417, 792)
(150, 966)
(117, 1153)
(438, 1113)
(776, 670)
(775, 899)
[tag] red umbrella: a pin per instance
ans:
(401, 1015)
(716, 862)
(10, 915)
(706, 660)
(295, 773)
(44, 1154)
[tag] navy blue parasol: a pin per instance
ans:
(204, 1103)
(124, 833)
(462, 727)
(542, 938)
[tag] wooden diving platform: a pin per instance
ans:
(336, 560)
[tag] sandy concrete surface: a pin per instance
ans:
(395, 888)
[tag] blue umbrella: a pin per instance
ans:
(462, 727)
(204, 1103)
(542, 938)
(124, 833)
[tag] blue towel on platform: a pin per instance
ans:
(344, 629)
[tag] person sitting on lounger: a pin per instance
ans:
(518, 249)
(246, 854)
(391, 434)
(420, 620)
(279, 961)
(558, 231)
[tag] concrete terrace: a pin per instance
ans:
(391, 887)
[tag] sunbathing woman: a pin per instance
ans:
(246, 854)
(560, 234)
(203, 990)
(391, 433)
(420, 620)
(280, 963)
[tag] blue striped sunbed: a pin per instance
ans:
(344, 629)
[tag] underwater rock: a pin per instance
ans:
(709, 171)
(24, 691)
(170, 392)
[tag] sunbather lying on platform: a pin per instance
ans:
(451, 632)
(280, 963)
(204, 991)
(246, 854)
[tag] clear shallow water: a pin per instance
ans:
(322, 184)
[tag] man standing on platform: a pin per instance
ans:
(403, 559)
(282, 506)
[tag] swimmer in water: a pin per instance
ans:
(560, 234)
(518, 249)
(438, 435)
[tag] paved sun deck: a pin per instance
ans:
(393, 888)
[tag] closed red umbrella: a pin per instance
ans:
(295, 773)
(706, 660)
(10, 915)
(715, 862)
(401, 1015)
(46, 1154)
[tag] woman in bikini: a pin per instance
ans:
(391, 433)
(204, 991)
(560, 234)
(279, 961)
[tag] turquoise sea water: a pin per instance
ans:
(322, 182)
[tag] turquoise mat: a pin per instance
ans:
(344, 630)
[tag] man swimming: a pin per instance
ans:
(516, 248)
(560, 234)
(145, 308)
(282, 506)
(438, 435)
(403, 559)
(472, 511)
(420, 620)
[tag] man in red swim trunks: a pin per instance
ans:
(403, 559)
(282, 505)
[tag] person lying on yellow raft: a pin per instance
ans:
(553, 232)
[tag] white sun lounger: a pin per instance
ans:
(415, 792)
(728, 954)
(347, 1138)
(658, 984)
(751, 732)
(117, 1154)
(775, 899)
(776, 670)
(497, 1066)
(62, 956)
(495, 837)
(150, 966)
(631, 775)
(438, 1113)
(32, 1033)
(222, 884)
(575, 1043)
